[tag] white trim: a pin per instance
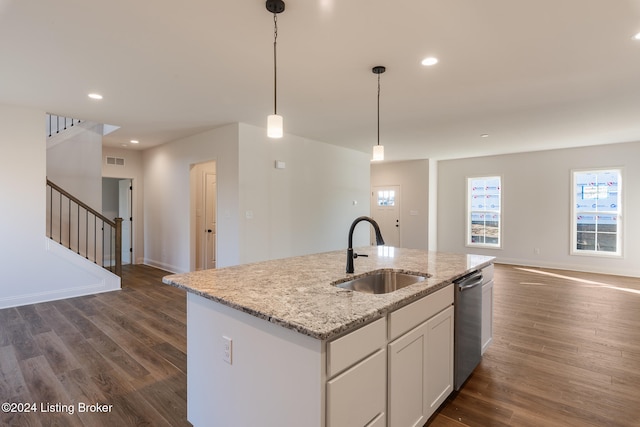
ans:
(579, 268)
(467, 236)
(573, 251)
(164, 266)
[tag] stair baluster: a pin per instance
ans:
(102, 245)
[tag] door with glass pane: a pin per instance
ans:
(385, 210)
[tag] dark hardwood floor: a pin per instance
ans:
(125, 349)
(566, 352)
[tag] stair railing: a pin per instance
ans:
(82, 229)
(58, 124)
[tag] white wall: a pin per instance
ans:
(74, 163)
(254, 390)
(308, 206)
(263, 212)
(33, 268)
(132, 169)
(167, 224)
(536, 206)
(432, 242)
(413, 178)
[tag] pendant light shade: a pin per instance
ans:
(378, 153)
(378, 150)
(275, 127)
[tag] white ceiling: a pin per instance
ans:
(532, 74)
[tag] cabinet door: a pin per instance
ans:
(421, 371)
(487, 315)
(357, 397)
(406, 375)
(439, 360)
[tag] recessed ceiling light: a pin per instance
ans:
(95, 96)
(134, 141)
(636, 36)
(429, 61)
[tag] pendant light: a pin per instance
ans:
(378, 150)
(274, 121)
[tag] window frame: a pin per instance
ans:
(619, 213)
(469, 212)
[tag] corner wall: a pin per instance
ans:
(263, 212)
(132, 169)
(167, 204)
(74, 163)
(305, 208)
(536, 206)
(33, 270)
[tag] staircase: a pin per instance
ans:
(81, 229)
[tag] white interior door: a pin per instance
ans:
(203, 214)
(124, 212)
(385, 210)
(210, 219)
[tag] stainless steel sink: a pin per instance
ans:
(381, 282)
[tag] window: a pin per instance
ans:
(386, 198)
(597, 212)
(484, 216)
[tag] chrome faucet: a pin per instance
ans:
(350, 254)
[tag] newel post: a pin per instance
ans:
(118, 246)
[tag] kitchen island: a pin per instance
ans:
(275, 343)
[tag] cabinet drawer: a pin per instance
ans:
(349, 349)
(410, 316)
(358, 397)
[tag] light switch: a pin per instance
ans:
(227, 349)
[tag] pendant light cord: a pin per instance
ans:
(378, 109)
(275, 68)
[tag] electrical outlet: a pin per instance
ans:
(227, 349)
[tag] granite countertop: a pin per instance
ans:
(296, 293)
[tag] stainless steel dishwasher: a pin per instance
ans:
(468, 326)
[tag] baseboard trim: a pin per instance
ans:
(164, 266)
(569, 267)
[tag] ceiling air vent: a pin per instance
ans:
(116, 161)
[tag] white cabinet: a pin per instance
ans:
(357, 366)
(420, 367)
(487, 307)
(395, 371)
(440, 359)
(407, 374)
(355, 346)
(357, 397)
